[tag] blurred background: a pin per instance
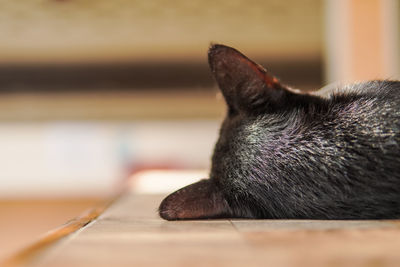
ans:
(93, 91)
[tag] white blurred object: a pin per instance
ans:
(164, 181)
(58, 159)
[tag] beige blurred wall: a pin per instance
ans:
(122, 30)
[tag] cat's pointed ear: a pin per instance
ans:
(244, 83)
(201, 200)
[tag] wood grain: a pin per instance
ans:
(28, 254)
(130, 233)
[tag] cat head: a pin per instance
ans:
(249, 90)
(259, 143)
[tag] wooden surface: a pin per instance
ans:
(129, 233)
(23, 221)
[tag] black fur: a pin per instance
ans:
(285, 154)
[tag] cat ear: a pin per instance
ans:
(201, 200)
(244, 83)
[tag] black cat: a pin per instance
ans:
(286, 154)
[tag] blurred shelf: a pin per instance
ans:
(154, 105)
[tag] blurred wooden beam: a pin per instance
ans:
(361, 39)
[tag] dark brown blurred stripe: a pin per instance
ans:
(134, 76)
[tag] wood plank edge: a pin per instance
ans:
(32, 251)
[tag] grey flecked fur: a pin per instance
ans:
(288, 155)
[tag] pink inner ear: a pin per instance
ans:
(269, 80)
